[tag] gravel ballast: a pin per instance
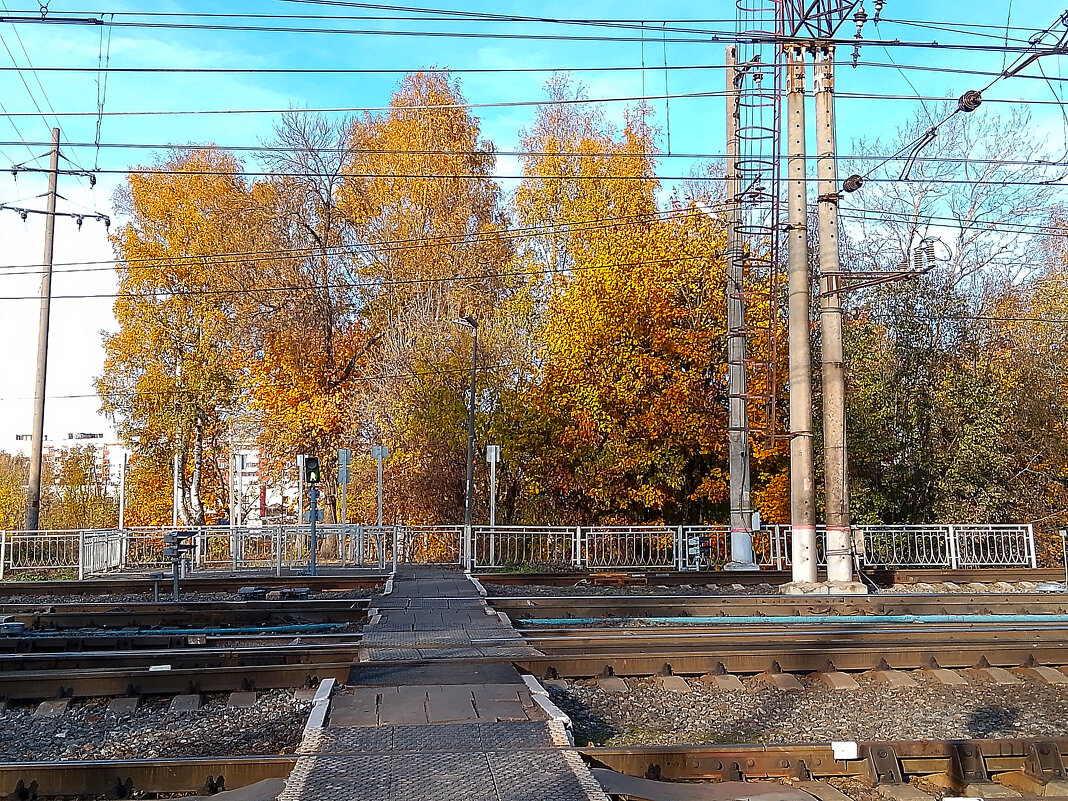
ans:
(650, 715)
(273, 726)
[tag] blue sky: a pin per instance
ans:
(696, 124)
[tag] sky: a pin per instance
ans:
(33, 101)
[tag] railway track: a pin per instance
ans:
(884, 577)
(797, 647)
(120, 649)
(952, 765)
(134, 584)
(137, 584)
(625, 607)
(198, 614)
(60, 664)
(166, 679)
(996, 766)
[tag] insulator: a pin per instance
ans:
(853, 183)
(969, 101)
(860, 18)
(878, 10)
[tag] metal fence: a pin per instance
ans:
(630, 546)
(439, 545)
(506, 547)
(93, 552)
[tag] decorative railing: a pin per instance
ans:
(99, 551)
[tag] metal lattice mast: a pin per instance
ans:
(753, 252)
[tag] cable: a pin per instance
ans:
(539, 177)
(186, 391)
(508, 104)
(479, 70)
(702, 37)
(375, 284)
(514, 234)
(368, 109)
(370, 248)
(585, 154)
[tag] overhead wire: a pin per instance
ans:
(698, 36)
(372, 284)
(967, 103)
(363, 248)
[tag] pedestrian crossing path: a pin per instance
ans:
(434, 711)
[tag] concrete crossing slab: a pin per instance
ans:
(438, 723)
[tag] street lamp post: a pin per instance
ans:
(472, 323)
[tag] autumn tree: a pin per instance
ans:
(935, 406)
(627, 421)
(298, 305)
(77, 496)
(965, 203)
(14, 474)
(169, 380)
(431, 229)
(929, 405)
(1027, 331)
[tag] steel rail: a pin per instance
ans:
(802, 652)
(122, 778)
(177, 658)
(881, 576)
(91, 683)
(205, 614)
(135, 584)
(652, 606)
(721, 762)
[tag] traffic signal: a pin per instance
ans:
(311, 469)
(175, 544)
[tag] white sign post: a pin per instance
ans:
(493, 455)
(380, 453)
(343, 457)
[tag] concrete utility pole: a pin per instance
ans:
(33, 494)
(839, 547)
(802, 474)
(738, 412)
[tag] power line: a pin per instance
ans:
(701, 37)
(506, 104)
(373, 248)
(130, 391)
(360, 109)
(374, 284)
(585, 154)
(476, 70)
(541, 177)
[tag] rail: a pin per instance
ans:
(88, 552)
